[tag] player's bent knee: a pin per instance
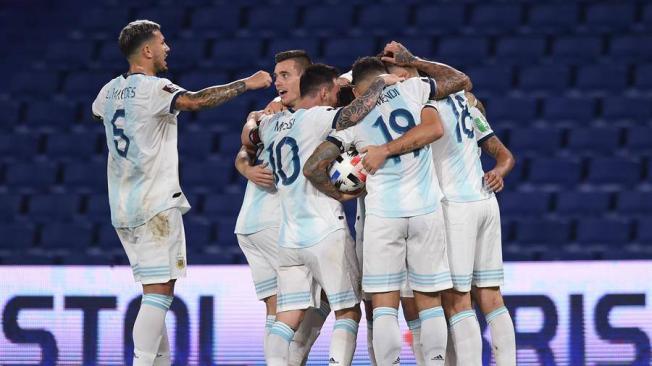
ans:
(166, 288)
(353, 313)
(489, 298)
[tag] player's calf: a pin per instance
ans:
(345, 334)
(280, 336)
(503, 339)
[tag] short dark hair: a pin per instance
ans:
(134, 34)
(300, 57)
(345, 96)
(366, 67)
(316, 76)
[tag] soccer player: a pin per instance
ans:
(260, 215)
(472, 219)
(139, 111)
(316, 250)
(404, 235)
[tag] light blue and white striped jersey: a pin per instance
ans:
(141, 132)
(308, 215)
(457, 153)
(261, 208)
(406, 185)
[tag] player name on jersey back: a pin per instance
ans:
(308, 215)
(140, 123)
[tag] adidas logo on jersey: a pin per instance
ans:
(438, 358)
(397, 362)
(333, 362)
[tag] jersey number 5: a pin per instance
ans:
(120, 140)
(275, 159)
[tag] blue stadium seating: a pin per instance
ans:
(634, 203)
(327, 20)
(464, 50)
(53, 207)
(644, 77)
(68, 236)
(608, 79)
(558, 172)
(553, 17)
(622, 108)
(34, 83)
(22, 177)
(644, 232)
(542, 231)
(594, 231)
(596, 140)
(523, 204)
(236, 52)
(571, 110)
(582, 204)
(520, 50)
(609, 16)
(18, 146)
(535, 141)
(72, 145)
(576, 49)
(9, 206)
(197, 144)
(198, 233)
(344, 51)
(310, 45)
(383, 19)
(631, 48)
(496, 18)
(97, 208)
(511, 109)
(216, 21)
(49, 115)
(19, 236)
(207, 176)
(275, 18)
(639, 139)
(491, 79)
(614, 171)
(87, 176)
(551, 79)
(441, 18)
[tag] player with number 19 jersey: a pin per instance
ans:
(141, 130)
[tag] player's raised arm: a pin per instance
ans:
(360, 107)
(316, 171)
(215, 95)
(259, 174)
(492, 145)
(449, 80)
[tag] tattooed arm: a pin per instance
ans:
(419, 136)
(360, 107)
(316, 171)
(475, 102)
(216, 95)
(259, 174)
(449, 80)
(504, 163)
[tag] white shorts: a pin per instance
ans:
(261, 250)
(156, 249)
(359, 240)
(474, 243)
(400, 249)
(330, 265)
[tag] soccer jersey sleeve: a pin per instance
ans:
(98, 104)
(323, 119)
(420, 89)
(481, 126)
(343, 139)
(164, 96)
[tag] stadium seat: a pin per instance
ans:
(464, 50)
(542, 231)
(27, 177)
(639, 140)
(196, 144)
(520, 50)
(576, 49)
(614, 171)
(520, 204)
(18, 145)
(68, 54)
(226, 204)
(275, 18)
(634, 203)
(631, 48)
(186, 54)
(495, 17)
(73, 145)
(344, 51)
(310, 45)
(418, 45)
(236, 52)
(644, 77)
(97, 208)
(229, 144)
(207, 176)
(216, 21)
(225, 235)
(197, 80)
(551, 79)
(609, 16)
(10, 206)
(644, 231)
(383, 19)
(511, 109)
(108, 239)
(592, 78)
(231, 114)
(86, 84)
(111, 58)
(66, 236)
(34, 83)
(491, 79)
(623, 108)
(564, 109)
(553, 17)
(440, 18)
(595, 140)
(595, 231)
(18, 235)
(198, 233)
(9, 116)
(535, 141)
(582, 204)
(86, 176)
(50, 115)
(554, 171)
(327, 20)
(53, 207)
(171, 18)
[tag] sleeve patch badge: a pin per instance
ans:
(171, 88)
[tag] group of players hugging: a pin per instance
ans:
(428, 234)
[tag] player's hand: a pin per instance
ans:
(260, 175)
(395, 53)
(390, 79)
(256, 115)
(342, 81)
(351, 195)
(493, 181)
(259, 80)
(273, 107)
(375, 157)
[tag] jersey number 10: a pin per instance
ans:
(275, 161)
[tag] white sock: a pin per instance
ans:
(387, 336)
(466, 338)
(269, 323)
(451, 357)
(163, 354)
(148, 328)
(503, 339)
(434, 334)
(307, 334)
(370, 342)
(278, 344)
(415, 328)
(343, 342)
